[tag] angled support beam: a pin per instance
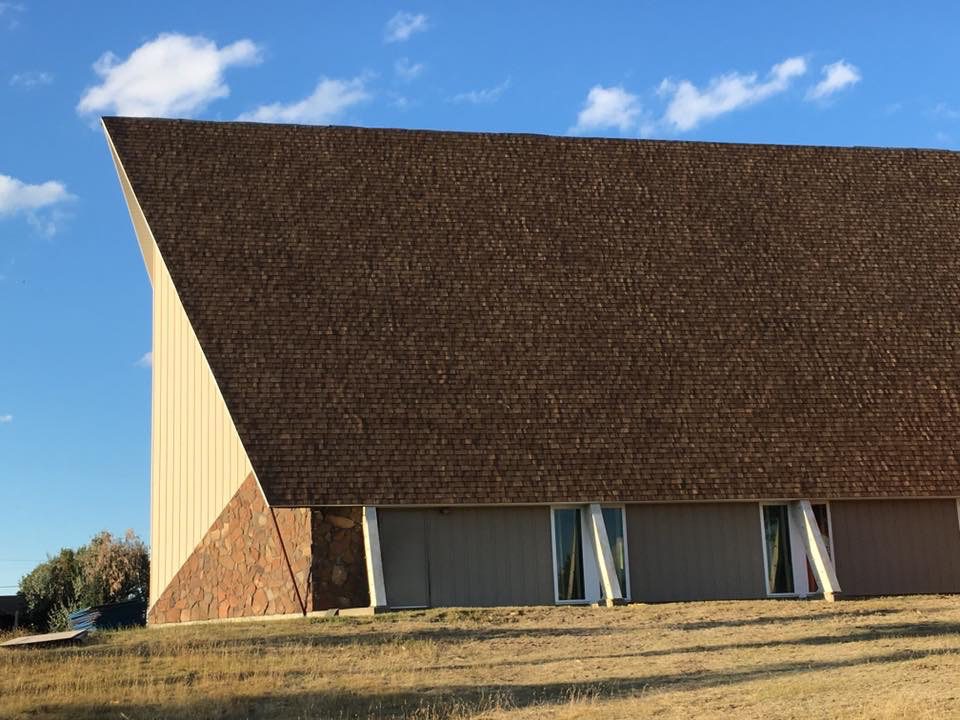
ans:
(600, 543)
(802, 517)
(371, 550)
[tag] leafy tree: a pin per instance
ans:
(51, 585)
(107, 569)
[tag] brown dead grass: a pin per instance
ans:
(881, 658)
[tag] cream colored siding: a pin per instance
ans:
(198, 460)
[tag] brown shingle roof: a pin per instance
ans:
(424, 317)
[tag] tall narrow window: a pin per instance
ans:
(569, 553)
(776, 529)
(613, 520)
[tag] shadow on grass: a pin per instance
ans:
(865, 633)
(313, 636)
(459, 701)
(779, 619)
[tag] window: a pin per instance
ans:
(613, 520)
(568, 554)
(779, 560)
(785, 576)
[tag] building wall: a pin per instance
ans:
(467, 556)
(695, 551)
(242, 567)
(896, 547)
(339, 574)
(198, 461)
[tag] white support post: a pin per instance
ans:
(816, 551)
(371, 549)
(600, 543)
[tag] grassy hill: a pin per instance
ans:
(875, 658)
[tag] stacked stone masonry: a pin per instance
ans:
(244, 568)
(339, 567)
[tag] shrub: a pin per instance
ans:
(107, 569)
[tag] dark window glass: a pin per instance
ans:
(569, 549)
(777, 535)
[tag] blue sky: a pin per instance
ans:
(74, 297)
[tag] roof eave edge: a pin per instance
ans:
(141, 227)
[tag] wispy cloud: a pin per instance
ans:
(401, 102)
(330, 99)
(484, 96)
(170, 75)
(11, 11)
(146, 360)
(31, 79)
(836, 77)
(6, 418)
(407, 70)
(688, 105)
(404, 24)
(608, 107)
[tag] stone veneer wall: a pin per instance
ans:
(339, 578)
(239, 569)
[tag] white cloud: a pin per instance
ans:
(6, 418)
(402, 25)
(170, 75)
(146, 360)
(482, 97)
(407, 70)
(608, 107)
(836, 77)
(329, 100)
(37, 203)
(31, 79)
(17, 196)
(689, 106)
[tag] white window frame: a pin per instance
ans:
(766, 561)
(591, 573)
(801, 585)
(625, 592)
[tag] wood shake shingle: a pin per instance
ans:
(412, 317)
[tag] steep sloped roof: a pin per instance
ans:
(427, 317)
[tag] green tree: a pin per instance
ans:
(107, 569)
(49, 587)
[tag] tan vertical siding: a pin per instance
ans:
(896, 547)
(694, 551)
(467, 556)
(198, 460)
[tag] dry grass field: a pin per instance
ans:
(880, 658)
